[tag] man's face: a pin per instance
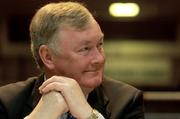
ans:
(81, 55)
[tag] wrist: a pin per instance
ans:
(86, 112)
(94, 114)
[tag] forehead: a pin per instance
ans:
(90, 33)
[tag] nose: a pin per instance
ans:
(98, 56)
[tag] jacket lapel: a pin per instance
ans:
(35, 96)
(99, 101)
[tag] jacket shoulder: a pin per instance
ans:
(14, 95)
(124, 100)
(118, 86)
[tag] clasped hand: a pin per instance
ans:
(59, 95)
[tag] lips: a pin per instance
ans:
(91, 70)
(95, 69)
(94, 72)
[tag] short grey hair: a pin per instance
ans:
(49, 19)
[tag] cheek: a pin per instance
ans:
(104, 56)
(78, 68)
(80, 65)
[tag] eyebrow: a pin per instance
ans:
(102, 38)
(89, 42)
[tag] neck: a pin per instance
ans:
(86, 90)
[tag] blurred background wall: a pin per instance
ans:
(143, 51)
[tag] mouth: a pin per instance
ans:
(93, 71)
(96, 70)
(89, 71)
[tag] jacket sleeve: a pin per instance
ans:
(3, 113)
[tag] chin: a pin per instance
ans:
(92, 82)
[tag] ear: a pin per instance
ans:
(46, 56)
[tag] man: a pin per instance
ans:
(67, 44)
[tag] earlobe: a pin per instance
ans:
(46, 56)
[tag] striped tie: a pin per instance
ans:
(70, 116)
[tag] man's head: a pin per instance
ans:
(66, 40)
(52, 17)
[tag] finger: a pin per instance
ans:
(48, 81)
(54, 86)
(56, 79)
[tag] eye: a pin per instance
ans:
(100, 45)
(85, 49)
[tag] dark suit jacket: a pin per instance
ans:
(113, 99)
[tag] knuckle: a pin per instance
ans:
(73, 81)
